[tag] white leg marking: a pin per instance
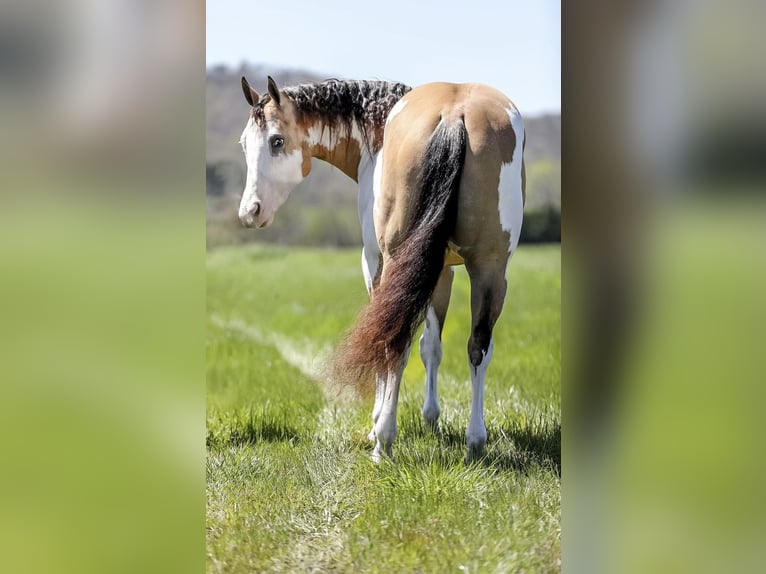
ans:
(370, 258)
(380, 392)
(385, 426)
(431, 353)
(370, 270)
(510, 198)
(476, 433)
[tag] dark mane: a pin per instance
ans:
(343, 103)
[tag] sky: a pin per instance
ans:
(513, 45)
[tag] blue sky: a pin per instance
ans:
(514, 45)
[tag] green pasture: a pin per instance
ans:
(290, 485)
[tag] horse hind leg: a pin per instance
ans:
(488, 287)
(431, 345)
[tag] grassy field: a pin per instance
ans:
(290, 485)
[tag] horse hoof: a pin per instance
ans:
(380, 451)
(432, 425)
(474, 453)
(377, 455)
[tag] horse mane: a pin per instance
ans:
(344, 102)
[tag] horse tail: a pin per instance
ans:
(385, 327)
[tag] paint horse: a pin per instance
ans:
(441, 183)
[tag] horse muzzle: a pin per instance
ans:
(253, 216)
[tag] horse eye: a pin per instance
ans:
(277, 142)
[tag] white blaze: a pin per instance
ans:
(270, 176)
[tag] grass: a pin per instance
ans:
(290, 485)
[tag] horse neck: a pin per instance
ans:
(337, 145)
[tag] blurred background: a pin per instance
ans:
(102, 246)
(664, 276)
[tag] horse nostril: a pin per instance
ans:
(257, 208)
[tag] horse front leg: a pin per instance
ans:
(380, 391)
(385, 426)
(370, 266)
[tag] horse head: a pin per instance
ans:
(277, 157)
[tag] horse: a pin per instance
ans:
(441, 181)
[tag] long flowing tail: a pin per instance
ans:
(385, 327)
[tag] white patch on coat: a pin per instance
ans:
(367, 207)
(396, 110)
(377, 176)
(510, 198)
(368, 170)
(329, 138)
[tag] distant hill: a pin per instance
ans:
(543, 138)
(327, 211)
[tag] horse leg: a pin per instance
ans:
(431, 344)
(380, 391)
(370, 266)
(488, 286)
(385, 426)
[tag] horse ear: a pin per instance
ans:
(273, 90)
(251, 95)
